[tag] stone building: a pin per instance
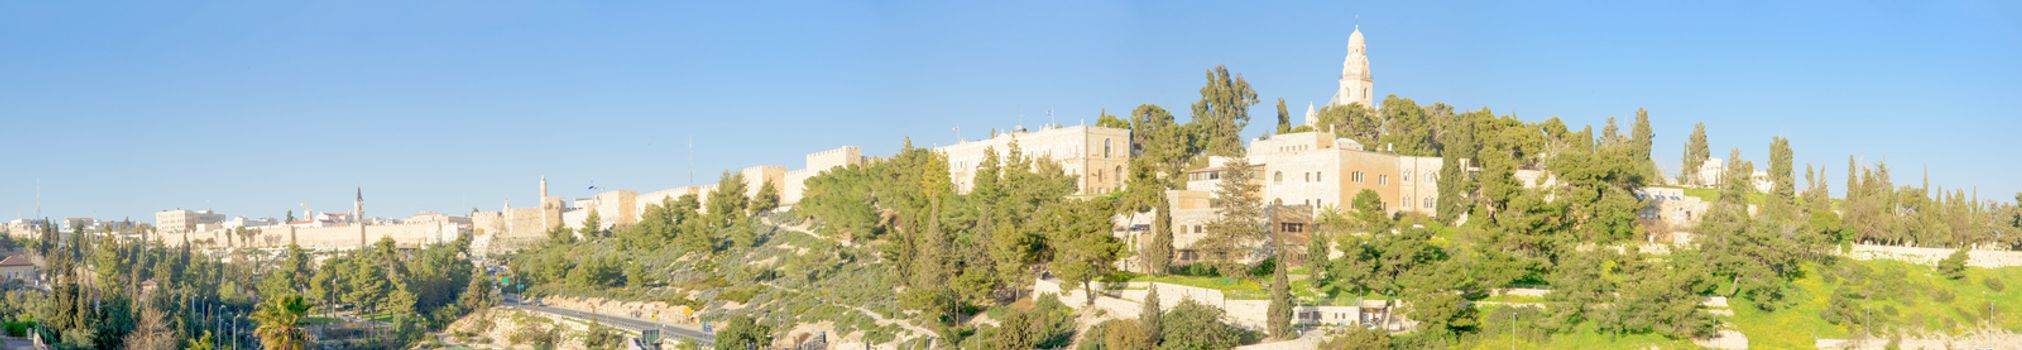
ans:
(181, 220)
(19, 268)
(1096, 156)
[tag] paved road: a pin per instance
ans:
(666, 330)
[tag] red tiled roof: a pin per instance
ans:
(17, 260)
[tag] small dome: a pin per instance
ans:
(1355, 39)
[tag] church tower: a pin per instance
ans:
(1356, 84)
(358, 217)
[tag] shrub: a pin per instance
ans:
(1953, 267)
(1993, 284)
(1942, 295)
(16, 329)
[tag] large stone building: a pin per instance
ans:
(1096, 156)
(1303, 173)
(181, 220)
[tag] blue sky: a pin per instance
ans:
(257, 107)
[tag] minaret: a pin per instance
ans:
(1356, 84)
(358, 217)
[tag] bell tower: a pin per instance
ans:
(1357, 86)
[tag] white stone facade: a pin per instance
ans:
(1096, 156)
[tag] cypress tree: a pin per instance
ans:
(1696, 153)
(1279, 321)
(1158, 252)
(1149, 317)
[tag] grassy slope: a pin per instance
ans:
(1799, 325)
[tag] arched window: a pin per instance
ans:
(1105, 148)
(1277, 177)
(1382, 179)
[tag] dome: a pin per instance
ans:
(1355, 39)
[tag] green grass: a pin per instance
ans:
(1709, 194)
(1507, 298)
(1586, 338)
(1242, 288)
(1916, 305)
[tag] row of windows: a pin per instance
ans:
(1429, 202)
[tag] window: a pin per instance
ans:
(1429, 202)
(1357, 177)
(1407, 200)
(1105, 148)
(1277, 177)
(1407, 176)
(1382, 179)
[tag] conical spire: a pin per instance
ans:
(1312, 118)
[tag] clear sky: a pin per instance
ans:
(257, 107)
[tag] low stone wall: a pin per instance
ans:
(650, 311)
(1240, 312)
(1931, 256)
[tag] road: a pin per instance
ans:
(628, 323)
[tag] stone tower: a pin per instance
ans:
(1357, 86)
(358, 216)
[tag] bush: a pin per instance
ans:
(1942, 295)
(16, 329)
(1993, 284)
(1953, 267)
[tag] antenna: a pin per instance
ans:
(1050, 121)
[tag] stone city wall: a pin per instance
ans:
(320, 238)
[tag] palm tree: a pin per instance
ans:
(280, 322)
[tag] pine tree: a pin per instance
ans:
(593, 226)
(1221, 113)
(767, 199)
(1240, 217)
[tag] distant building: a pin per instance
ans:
(180, 220)
(1709, 173)
(73, 224)
(19, 268)
(19, 228)
(1096, 156)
